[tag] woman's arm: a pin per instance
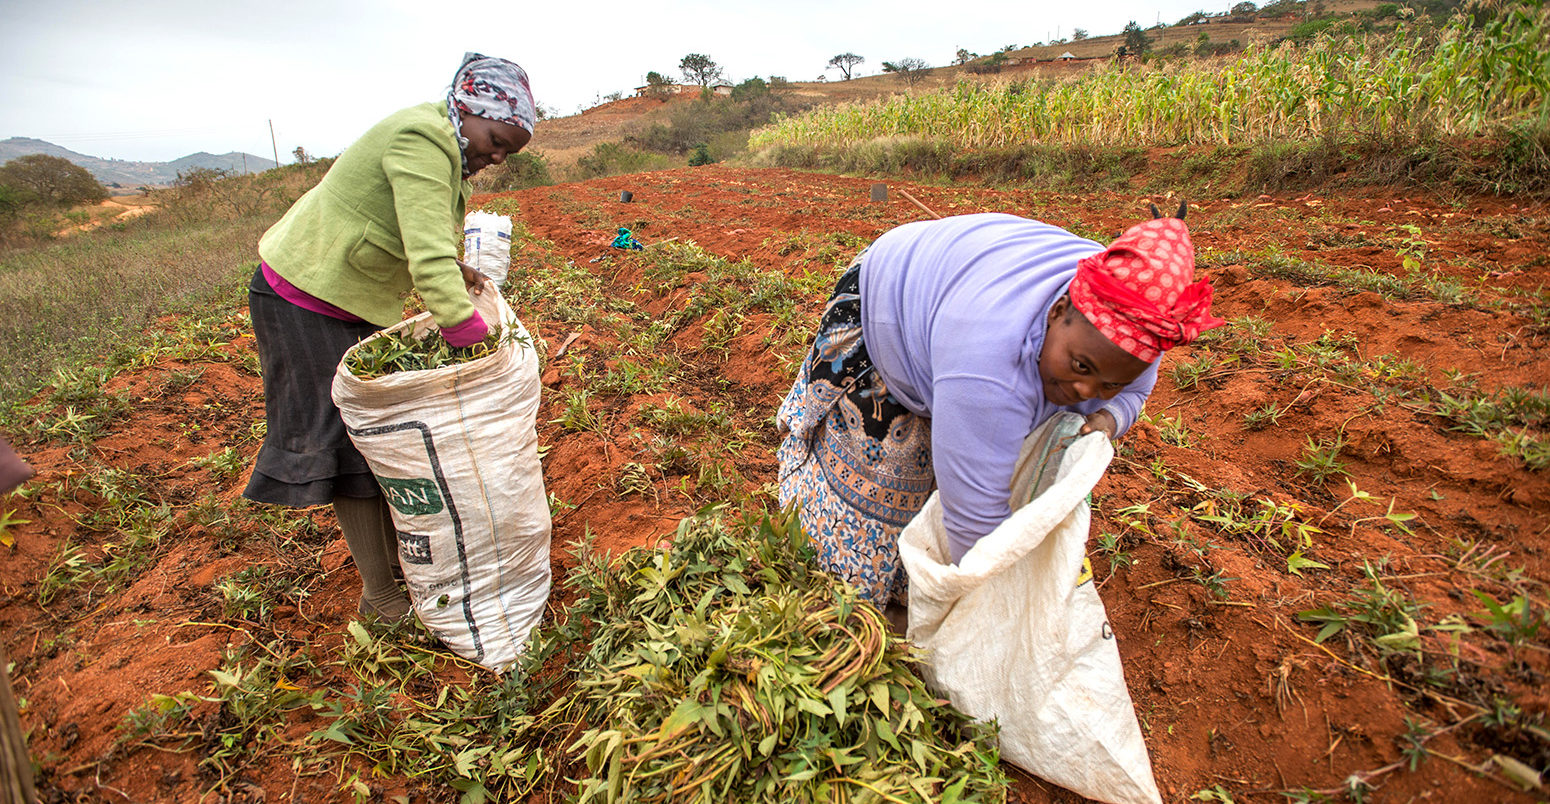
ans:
(977, 431)
(423, 195)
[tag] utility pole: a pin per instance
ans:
(244, 163)
(272, 143)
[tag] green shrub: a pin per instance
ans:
(613, 158)
(518, 172)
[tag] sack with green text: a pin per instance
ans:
(450, 435)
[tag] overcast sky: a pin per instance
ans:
(159, 79)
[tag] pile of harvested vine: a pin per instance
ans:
(726, 668)
(392, 352)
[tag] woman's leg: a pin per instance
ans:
(368, 531)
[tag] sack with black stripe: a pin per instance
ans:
(455, 451)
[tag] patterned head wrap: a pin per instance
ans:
(492, 88)
(1140, 291)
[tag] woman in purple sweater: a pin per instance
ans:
(945, 343)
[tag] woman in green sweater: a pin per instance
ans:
(385, 220)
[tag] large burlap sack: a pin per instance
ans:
(456, 454)
(487, 244)
(1017, 633)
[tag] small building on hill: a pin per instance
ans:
(646, 91)
(665, 89)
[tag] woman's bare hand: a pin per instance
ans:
(1100, 422)
(472, 277)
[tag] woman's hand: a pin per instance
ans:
(473, 278)
(1100, 422)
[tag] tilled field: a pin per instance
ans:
(1324, 553)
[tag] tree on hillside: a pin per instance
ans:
(53, 180)
(302, 157)
(749, 90)
(1244, 7)
(1137, 43)
(912, 70)
(845, 63)
(1079, 34)
(990, 65)
(11, 202)
(964, 57)
(699, 69)
(657, 85)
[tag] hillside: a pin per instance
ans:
(128, 174)
(562, 140)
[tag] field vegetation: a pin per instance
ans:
(1323, 550)
(1469, 89)
(63, 297)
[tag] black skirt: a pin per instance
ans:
(307, 458)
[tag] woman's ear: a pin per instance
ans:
(1059, 309)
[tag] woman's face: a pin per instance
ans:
(490, 141)
(1079, 363)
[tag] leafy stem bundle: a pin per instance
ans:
(726, 668)
(392, 352)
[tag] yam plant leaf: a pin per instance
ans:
(1408, 637)
(5, 527)
(1297, 562)
(814, 707)
(687, 713)
(362, 636)
(1333, 621)
(338, 731)
(880, 696)
(1525, 776)
(837, 698)
(954, 791)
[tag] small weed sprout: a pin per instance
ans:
(1111, 543)
(1173, 431)
(1385, 615)
(1266, 416)
(225, 465)
(578, 414)
(1515, 621)
(1187, 376)
(635, 479)
(158, 719)
(68, 568)
(1321, 459)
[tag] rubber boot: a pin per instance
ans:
(368, 532)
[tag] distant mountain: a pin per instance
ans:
(134, 174)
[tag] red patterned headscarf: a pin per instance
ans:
(1140, 291)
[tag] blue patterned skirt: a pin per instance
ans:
(857, 461)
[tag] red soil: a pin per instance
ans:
(1231, 692)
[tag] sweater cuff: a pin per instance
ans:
(467, 333)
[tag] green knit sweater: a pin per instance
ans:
(383, 221)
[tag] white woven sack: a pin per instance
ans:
(487, 244)
(456, 453)
(1017, 633)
